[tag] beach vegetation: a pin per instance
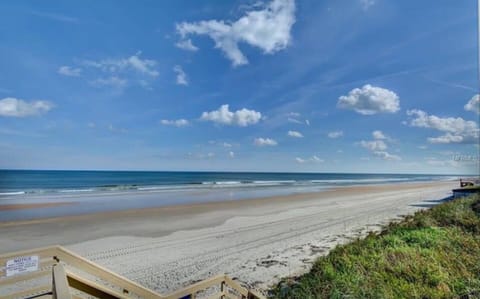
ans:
(434, 253)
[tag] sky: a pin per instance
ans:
(366, 86)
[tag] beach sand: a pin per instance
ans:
(257, 241)
(32, 206)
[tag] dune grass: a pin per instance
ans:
(434, 253)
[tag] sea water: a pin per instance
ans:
(100, 191)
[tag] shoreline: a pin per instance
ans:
(209, 205)
(257, 241)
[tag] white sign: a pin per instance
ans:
(22, 264)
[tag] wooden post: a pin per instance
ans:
(222, 289)
(60, 288)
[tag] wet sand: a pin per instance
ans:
(32, 206)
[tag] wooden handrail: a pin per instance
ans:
(68, 271)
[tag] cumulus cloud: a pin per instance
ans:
(13, 107)
(267, 28)
(335, 134)
(474, 104)
(181, 76)
(69, 71)
(456, 130)
(186, 44)
(295, 134)
(224, 116)
(377, 134)
(374, 145)
(176, 123)
(370, 100)
(378, 147)
(264, 142)
(387, 156)
(231, 154)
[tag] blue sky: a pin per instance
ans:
(282, 85)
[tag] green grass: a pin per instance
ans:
(434, 253)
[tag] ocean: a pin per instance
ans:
(17, 182)
(100, 191)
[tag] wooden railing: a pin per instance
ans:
(55, 272)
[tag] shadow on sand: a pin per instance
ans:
(431, 202)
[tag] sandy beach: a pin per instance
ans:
(257, 241)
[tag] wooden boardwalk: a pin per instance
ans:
(55, 272)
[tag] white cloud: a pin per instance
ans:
(370, 100)
(377, 134)
(293, 120)
(186, 45)
(441, 163)
(335, 134)
(177, 123)
(299, 160)
(386, 156)
(474, 104)
(313, 159)
(294, 117)
(366, 4)
(224, 116)
(295, 134)
(268, 29)
(231, 154)
(19, 108)
(55, 16)
(114, 129)
(447, 138)
(378, 148)
(226, 144)
(181, 76)
(422, 147)
(134, 62)
(375, 145)
(294, 114)
(69, 71)
(113, 81)
(201, 156)
(264, 142)
(115, 72)
(457, 130)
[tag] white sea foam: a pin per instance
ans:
(12, 193)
